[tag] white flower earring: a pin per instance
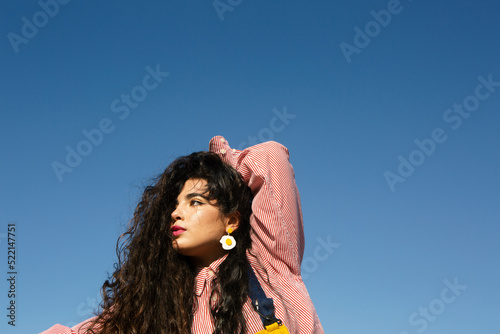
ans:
(228, 242)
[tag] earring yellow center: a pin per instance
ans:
(228, 242)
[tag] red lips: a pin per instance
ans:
(176, 230)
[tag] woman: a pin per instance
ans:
(198, 230)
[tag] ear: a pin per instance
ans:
(233, 221)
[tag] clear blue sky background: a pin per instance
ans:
(396, 248)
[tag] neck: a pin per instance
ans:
(206, 261)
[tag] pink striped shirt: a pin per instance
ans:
(277, 242)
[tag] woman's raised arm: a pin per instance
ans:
(277, 217)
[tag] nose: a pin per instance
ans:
(177, 214)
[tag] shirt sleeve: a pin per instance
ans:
(58, 329)
(80, 328)
(276, 212)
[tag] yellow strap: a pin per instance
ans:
(274, 328)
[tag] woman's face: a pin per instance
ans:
(198, 224)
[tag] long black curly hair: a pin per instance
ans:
(152, 287)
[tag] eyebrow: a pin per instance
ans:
(191, 195)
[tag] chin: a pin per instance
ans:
(179, 249)
(175, 246)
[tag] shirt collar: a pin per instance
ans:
(205, 275)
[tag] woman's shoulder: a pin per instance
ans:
(61, 329)
(58, 329)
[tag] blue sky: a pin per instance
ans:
(390, 110)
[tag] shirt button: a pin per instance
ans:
(234, 150)
(222, 151)
(222, 140)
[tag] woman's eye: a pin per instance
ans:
(195, 202)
